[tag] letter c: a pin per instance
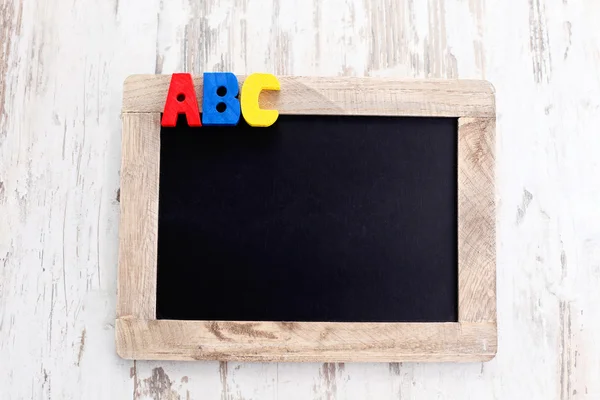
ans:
(251, 89)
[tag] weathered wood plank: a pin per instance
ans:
(340, 95)
(62, 66)
(138, 228)
(476, 220)
(295, 341)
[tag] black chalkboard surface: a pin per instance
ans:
(316, 218)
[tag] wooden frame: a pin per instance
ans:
(139, 335)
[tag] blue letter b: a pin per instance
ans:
(219, 103)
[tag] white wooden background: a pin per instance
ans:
(62, 64)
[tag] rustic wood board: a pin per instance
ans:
(301, 95)
(62, 65)
(304, 341)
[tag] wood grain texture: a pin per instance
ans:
(339, 95)
(138, 230)
(476, 220)
(304, 341)
(62, 67)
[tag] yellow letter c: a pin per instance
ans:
(251, 89)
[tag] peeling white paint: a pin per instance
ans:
(62, 65)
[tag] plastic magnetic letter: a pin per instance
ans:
(181, 99)
(219, 104)
(252, 87)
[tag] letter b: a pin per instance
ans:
(219, 103)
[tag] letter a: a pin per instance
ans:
(181, 100)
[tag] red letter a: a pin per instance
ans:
(181, 100)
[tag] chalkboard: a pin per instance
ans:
(353, 220)
(316, 218)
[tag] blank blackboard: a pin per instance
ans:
(316, 218)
